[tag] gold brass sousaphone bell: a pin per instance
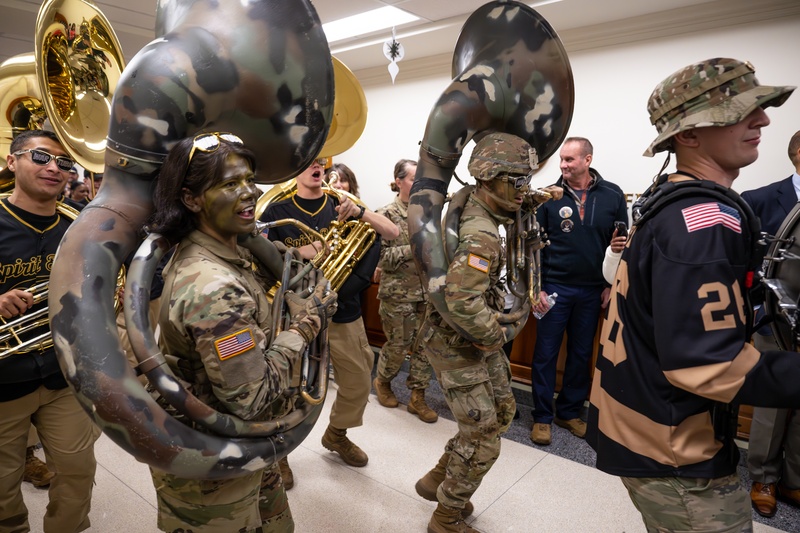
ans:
(20, 107)
(69, 80)
(79, 64)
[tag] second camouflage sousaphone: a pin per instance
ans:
(512, 75)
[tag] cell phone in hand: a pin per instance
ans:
(622, 228)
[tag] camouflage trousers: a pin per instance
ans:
(254, 503)
(675, 505)
(477, 388)
(400, 323)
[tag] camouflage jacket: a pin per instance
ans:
(400, 281)
(213, 325)
(473, 290)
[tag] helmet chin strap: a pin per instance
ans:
(504, 203)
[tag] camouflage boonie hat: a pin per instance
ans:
(714, 92)
(502, 153)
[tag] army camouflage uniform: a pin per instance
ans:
(402, 304)
(476, 383)
(213, 324)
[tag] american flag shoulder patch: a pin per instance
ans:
(478, 263)
(234, 344)
(710, 214)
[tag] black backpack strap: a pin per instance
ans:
(662, 193)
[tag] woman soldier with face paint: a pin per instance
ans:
(214, 321)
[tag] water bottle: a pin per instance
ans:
(551, 301)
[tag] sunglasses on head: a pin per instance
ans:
(518, 181)
(209, 142)
(40, 157)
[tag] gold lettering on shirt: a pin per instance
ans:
(20, 268)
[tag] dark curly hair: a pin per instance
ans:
(172, 218)
(22, 138)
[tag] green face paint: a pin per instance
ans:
(228, 207)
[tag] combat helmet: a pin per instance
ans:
(714, 92)
(501, 154)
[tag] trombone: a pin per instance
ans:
(11, 331)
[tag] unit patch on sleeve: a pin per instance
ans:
(702, 216)
(234, 344)
(478, 263)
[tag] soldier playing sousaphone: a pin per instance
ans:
(476, 376)
(215, 321)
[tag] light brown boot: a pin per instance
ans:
(383, 390)
(541, 434)
(336, 440)
(36, 472)
(427, 486)
(417, 406)
(286, 473)
(448, 520)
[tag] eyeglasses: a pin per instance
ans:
(518, 181)
(322, 161)
(40, 157)
(209, 142)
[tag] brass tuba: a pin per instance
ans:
(79, 63)
(510, 74)
(260, 68)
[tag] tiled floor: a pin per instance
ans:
(528, 490)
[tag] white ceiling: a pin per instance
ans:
(436, 33)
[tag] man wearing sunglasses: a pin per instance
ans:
(580, 227)
(32, 388)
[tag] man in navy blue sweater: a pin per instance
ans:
(580, 226)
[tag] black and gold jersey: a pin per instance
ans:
(27, 252)
(675, 345)
(316, 214)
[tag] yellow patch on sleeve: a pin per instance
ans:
(234, 344)
(478, 263)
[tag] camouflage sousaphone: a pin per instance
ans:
(510, 74)
(259, 68)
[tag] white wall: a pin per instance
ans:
(612, 88)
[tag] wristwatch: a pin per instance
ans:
(361, 214)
